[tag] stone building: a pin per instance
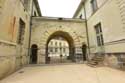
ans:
(15, 20)
(105, 22)
(46, 28)
(57, 47)
(25, 34)
(58, 51)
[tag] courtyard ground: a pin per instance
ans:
(66, 73)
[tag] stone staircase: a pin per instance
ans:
(96, 61)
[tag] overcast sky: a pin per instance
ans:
(58, 8)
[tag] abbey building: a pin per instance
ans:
(25, 34)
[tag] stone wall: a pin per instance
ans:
(115, 60)
(44, 27)
(111, 15)
(12, 55)
(7, 58)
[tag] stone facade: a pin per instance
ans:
(15, 42)
(43, 28)
(13, 55)
(58, 46)
(111, 15)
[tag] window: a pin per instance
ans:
(21, 31)
(99, 34)
(51, 50)
(55, 43)
(94, 5)
(56, 49)
(34, 13)
(60, 44)
(80, 16)
(61, 49)
(64, 50)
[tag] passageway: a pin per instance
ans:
(56, 51)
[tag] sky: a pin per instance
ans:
(58, 8)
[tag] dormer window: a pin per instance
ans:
(94, 5)
(80, 16)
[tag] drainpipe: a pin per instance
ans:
(86, 24)
(30, 28)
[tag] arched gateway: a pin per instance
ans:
(44, 29)
(68, 38)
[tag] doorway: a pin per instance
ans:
(33, 56)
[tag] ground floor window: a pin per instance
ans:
(99, 34)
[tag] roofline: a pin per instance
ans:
(38, 7)
(58, 19)
(79, 7)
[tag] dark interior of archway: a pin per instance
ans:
(69, 40)
(33, 56)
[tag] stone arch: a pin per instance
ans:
(48, 34)
(43, 29)
(68, 38)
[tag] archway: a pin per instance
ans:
(33, 56)
(68, 38)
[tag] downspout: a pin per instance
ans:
(87, 33)
(30, 29)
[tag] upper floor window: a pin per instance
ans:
(99, 34)
(35, 14)
(51, 43)
(64, 50)
(21, 31)
(80, 16)
(94, 5)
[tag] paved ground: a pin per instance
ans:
(72, 73)
(58, 59)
